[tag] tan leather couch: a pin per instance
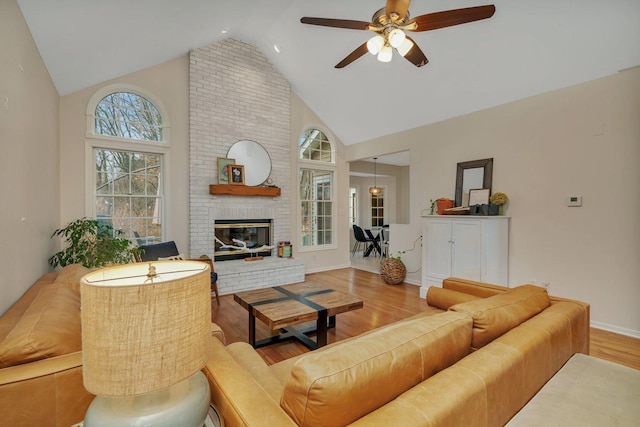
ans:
(40, 354)
(474, 359)
(40, 357)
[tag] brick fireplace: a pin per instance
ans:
(235, 94)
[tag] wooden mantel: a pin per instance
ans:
(244, 190)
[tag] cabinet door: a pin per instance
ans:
(437, 248)
(466, 249)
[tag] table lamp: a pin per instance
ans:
(146, 334)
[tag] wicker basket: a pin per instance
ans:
(392, 271)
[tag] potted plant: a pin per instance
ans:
(499, 199)
(92, 244)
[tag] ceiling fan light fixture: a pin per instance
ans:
(396, 37)
(385, 54)
(405, 47)
(375, 44)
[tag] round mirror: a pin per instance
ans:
(254, 158)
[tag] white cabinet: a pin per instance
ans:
(469, 247)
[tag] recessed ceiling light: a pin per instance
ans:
(224, 31)
(276, 48)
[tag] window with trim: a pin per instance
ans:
(377, 210)
(353, 206)
(316, 174)
(128, 154)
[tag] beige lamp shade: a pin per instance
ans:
(140, 333)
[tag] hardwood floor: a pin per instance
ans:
(383, 304)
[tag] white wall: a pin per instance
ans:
(29, 169)
(582, 140)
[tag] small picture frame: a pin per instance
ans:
(479, 196)
(223, 175)
(236, 174)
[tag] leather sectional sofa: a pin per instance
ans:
(475, 358)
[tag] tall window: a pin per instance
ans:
(128, 164)
(377, 210)
(316, 189)
(353, 206)
(316, 204)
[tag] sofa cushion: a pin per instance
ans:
(496, 315)
(49, 327)
(445, 298)
(70, 276)
(338, 385)
(12, 316)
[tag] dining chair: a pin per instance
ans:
(384, 242)
(362, 238)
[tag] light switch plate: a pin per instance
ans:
(574, 201)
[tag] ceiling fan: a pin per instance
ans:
(390, 24)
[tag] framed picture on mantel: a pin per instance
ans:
(236, 174)
(223, 174)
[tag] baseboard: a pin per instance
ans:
(616, 329)
(322, 269)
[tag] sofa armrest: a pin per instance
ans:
(471, 287)
(240, 399)
(217, 332)
(45, 392)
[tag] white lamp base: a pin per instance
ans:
(183, 404)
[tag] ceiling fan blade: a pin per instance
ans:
(415, 55)
(401, 7)
(361, 50)
(337, 23)
(448, 18)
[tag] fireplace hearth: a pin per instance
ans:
(238, 239)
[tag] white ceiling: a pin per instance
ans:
(528, 47)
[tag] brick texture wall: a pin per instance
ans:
(235, 93)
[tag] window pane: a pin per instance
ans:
(316, 207)
(135, 202)
(128, 115)
(314, 145)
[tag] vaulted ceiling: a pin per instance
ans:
(528, 47)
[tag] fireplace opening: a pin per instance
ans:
(239, 239)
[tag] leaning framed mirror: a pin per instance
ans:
(472, 175)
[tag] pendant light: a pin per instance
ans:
(375, 190)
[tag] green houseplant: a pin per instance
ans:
(92, 244)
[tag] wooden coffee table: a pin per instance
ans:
(281, 307)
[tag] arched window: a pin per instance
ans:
(317, 172)
(128, 115)
(126, 140)
(314, 145)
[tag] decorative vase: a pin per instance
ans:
(392, 271)
(443, 204)
(501, 210)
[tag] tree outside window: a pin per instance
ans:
(128, 183)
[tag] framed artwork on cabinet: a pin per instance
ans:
(479, 196)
